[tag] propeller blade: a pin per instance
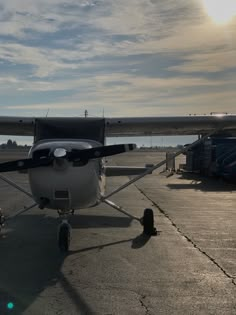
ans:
(23, 164)
(61, 153)
(99, 152)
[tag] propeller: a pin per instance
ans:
(75, 155)
(99, 152)
(24, 164)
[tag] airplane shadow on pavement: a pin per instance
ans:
(136, 243)
(82, 221)
(30, 261)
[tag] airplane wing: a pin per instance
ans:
(17, 126)
(177, 125)
(130, 126)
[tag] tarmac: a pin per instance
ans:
(111, 268)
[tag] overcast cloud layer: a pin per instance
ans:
(136, 57)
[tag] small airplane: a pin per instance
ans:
(65, 164)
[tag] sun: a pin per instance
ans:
(221, 11)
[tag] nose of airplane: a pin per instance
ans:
(59, 152)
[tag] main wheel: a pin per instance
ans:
(2, 220)
(64, 237)
(148, 222)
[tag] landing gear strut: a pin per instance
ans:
(147, 221)
(64, 236)
(64, 230)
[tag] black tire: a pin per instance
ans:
(148, 222)
(2, 219)
(64, 237)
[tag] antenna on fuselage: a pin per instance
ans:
(85, 113)
(47, 112)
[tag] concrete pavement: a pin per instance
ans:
(188, 268)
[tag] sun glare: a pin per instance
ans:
(221, 11)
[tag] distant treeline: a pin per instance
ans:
(13, 145)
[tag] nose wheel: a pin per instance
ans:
(64, 236)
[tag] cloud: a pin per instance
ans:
(207, 62)
(122, 94)
(200, 104)
(110, 83)
(38, 58)
(97, 51)
(156, 27)
(20, 18)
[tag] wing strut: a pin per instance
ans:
(10, 217)
(121, 209)
(11, 183)
(151, 169)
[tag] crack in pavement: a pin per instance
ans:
(140, 297)
(143, 297)
(233, 280)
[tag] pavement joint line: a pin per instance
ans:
(233, 280)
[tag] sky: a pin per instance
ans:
(117, 57)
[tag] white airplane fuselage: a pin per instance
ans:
(65, 185)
